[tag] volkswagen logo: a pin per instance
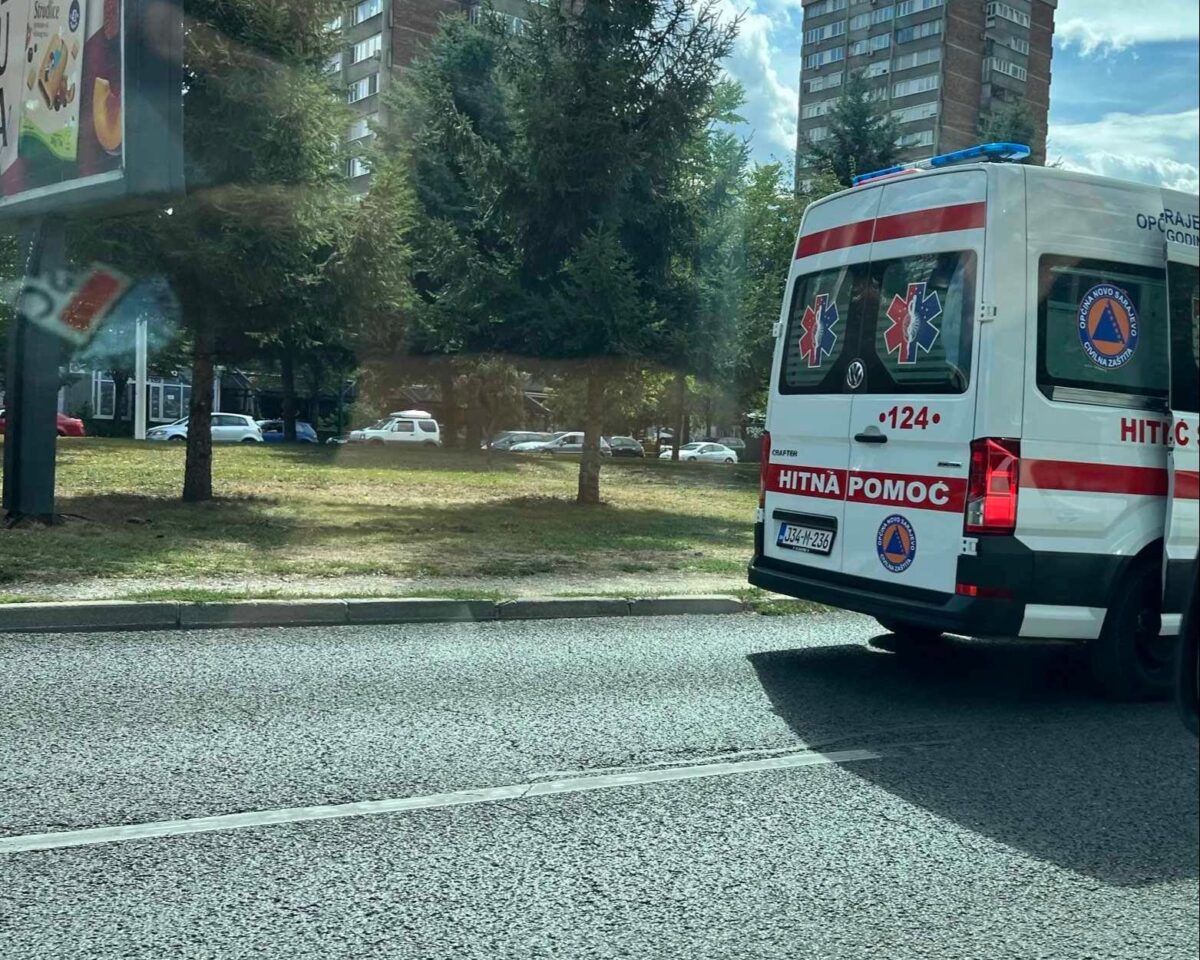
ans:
(856, 373)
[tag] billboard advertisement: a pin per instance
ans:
(90, 106)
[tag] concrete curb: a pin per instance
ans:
(100, 615)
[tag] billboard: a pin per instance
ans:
(90, 102)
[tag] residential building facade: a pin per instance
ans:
(380, 39)
(938, 66)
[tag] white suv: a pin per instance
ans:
(226, 428)
(404, 426)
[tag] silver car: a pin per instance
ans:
(226, 428)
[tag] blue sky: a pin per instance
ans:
(1123, 95)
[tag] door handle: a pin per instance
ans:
(871, 435)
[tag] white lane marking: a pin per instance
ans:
(517, 791)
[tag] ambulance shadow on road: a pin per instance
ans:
(1021, 752)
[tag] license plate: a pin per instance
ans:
(794, 536)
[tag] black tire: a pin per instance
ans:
(375, 443)
(249, 440)
(428, 443)
(176, 439)
(1129, 660)
(910, 633)
(729, 460)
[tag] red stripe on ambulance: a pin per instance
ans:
(1094, 477)
(1187, 485)
(919, 223)
(887, 489)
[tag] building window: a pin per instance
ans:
(995, 9)
(906, 61)
(1021, 46)
(816, 60)
(361, 127)
(334, 25)
(882, 14)
(922, 139)
(334, 63)
(357, 167)
(360, 89)
(817, 134)
(922, 111)
(906, 88)
(905, 7)
(827, 32)
(877, 69)
(824, 7)
(881, 42)
(929, 28)
(1006, 67)
(818, 109)
(367, 48)
(824, 83)
(104, 396)
(366, 10)
(860, 22)
(858, 48)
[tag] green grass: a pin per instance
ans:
(328, 512)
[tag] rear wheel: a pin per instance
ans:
(729, 459)
(1129, 660)
(910, 632)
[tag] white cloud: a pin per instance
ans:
(1162, 148)
(1109, 26)
(769, 74)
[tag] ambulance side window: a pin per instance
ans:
(924, 322)
(819, 324)
(1183, 282)
(1102, 330)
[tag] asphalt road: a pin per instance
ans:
(968, 802)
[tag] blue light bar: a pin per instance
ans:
(994, 152)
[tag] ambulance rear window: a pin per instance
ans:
(923, 324)
(1183, 283)
(818, 325)
(1102, 330)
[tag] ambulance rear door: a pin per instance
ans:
(808, 417)
(1180, 221)
(912, 419)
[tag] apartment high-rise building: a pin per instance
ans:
(381, 38)
(938, 66)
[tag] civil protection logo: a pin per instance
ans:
(1108, 326)
(818, 338)
(912, 326)
(896, 544)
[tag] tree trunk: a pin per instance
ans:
(287, 376)
(449, 404)
(680, 399)
(197, 470)
(593, 425)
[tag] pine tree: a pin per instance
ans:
(862, 135)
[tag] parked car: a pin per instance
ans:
(567, 445)
(226, 428)
(736, 444)
(272, 431)
(67, 426)
(403, 426)
(625, 447)
(705, 452)
(510, 438)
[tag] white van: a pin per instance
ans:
(968, 426)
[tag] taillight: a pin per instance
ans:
(992, 486)
(764, 460)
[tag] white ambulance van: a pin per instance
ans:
(968, 425)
